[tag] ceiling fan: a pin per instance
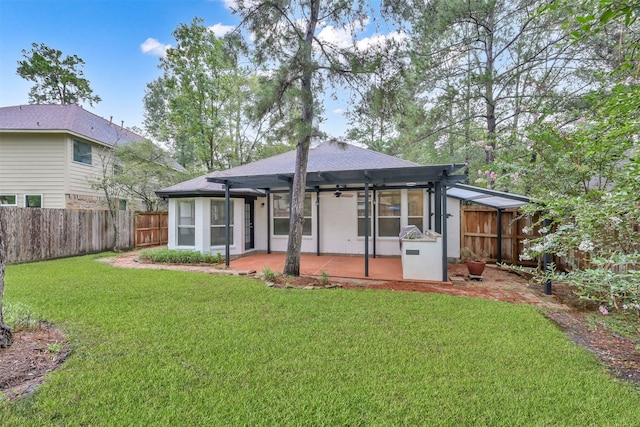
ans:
(344, 192)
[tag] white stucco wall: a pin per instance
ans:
(338, 228)
(203, 227)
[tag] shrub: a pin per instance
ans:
(173, 256)
(268, 274)
(324, 278)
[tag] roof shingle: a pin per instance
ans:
(72, 118)
(326, 157)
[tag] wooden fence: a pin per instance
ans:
(152, 228)
(33, 234)
(479, 232)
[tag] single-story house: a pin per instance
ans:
(342, 180)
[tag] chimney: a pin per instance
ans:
(110, 120)
(121, 124)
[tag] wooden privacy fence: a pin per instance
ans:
(479, 232)
(34, 234)
(152, 228)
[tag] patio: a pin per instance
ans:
(385, 273)
(351, 267)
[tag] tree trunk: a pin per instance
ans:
(296, 222)
(6, 338)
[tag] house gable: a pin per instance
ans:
(37, 153)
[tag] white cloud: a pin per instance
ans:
(220, 30)
(154, 47)
(233, 4)
(341, 38)
(339, 111)
(380, 40)
(230, 4)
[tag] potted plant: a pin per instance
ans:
(475, 261)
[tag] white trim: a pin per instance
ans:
(15, 196)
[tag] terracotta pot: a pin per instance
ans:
(475, 267)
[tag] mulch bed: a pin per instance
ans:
(34, 353)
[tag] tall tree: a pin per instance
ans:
(203, 103)
(288, 40)
(140, 168)
(57, 80)
(492, 66)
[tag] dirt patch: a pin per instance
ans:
(34, 353)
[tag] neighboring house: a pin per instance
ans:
(49, 154)
(339, 176)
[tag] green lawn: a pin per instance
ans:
(172, 348)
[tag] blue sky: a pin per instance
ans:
(109, 35)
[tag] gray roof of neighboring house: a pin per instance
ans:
(325, 158)
(64, 118)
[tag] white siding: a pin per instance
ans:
(33, 164)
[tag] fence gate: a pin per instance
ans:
(152, 228)
(479, 232)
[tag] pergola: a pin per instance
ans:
(500, 201)
(491, 198)
(435, 178)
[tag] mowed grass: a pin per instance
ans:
(164, 348)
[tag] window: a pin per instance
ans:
(389, 213)
(8, 200)
(186, 223)
(33, 200)
(361, 214)
(416, 208)
(281, 215)
(81, 152)
(122, 205)
(218, 223)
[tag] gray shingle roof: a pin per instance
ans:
(60, 118)
(326, 157)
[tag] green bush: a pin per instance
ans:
(173, 256)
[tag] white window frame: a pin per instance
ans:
(223, 225)
(180, 225)
(308, 219)
(32, 195)
(15, 198)
(380, 218)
